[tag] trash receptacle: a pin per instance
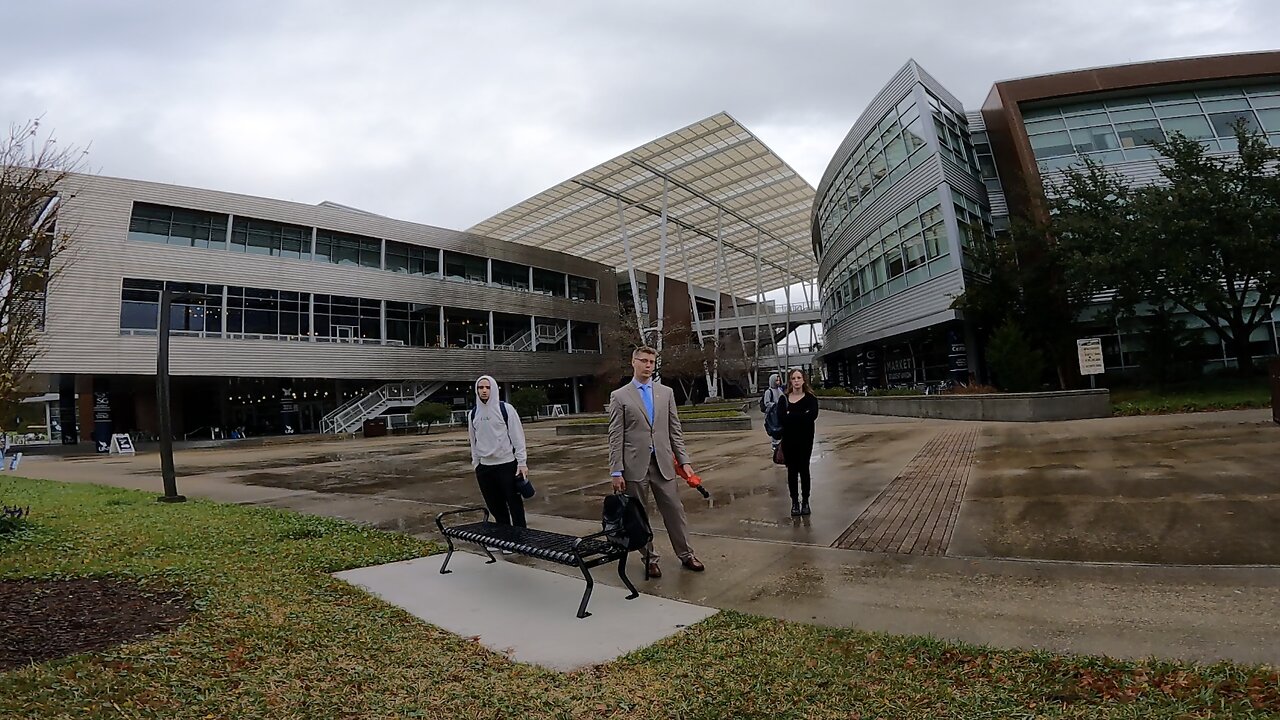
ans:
(375, 427)
(1275, 390)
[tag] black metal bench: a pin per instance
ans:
(583, 552)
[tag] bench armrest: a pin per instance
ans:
(441, 516)
(600, 534)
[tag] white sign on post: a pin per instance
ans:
(121, 444)
(1090, 352)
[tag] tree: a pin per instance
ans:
(1015, 363)
(35, 179)
(684, 361)
(528, 400)
(1204, 239)
(1168, 346)
(1019, 278)
(430, 412)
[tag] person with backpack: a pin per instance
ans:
(772, 394)
(645, 442)
(798, 411)
(498, 454)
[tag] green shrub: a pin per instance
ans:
(1016, 365)
(13, 519)
(430, 412)
(526, 401)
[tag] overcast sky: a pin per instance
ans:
(448, 112)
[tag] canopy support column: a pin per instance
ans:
(631, 271)
(696, 321)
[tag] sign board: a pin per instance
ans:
(121, 444)
(1090, 353)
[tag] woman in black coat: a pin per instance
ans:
(798, 410)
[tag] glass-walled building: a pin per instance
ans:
(893, 218)
(1038, 127)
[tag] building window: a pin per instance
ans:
(548, 282)
(193, 307)
(1124, 129)
(258, 311)
(177, 226)
(510, 275)
(140, 304)
(264, 237)
(348, 250)
(466, 328)
(883, 157)
(583, 289)
(412, 259)
(585, 336)
(511, 332)
(349, 319)
(414, 324)
(906, 250)
(467, 268)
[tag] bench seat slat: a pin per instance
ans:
(555, 547)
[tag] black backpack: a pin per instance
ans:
(626, 524)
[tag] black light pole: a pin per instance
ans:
(162, 401)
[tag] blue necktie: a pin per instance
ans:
(648, 401)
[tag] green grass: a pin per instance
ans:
(689, 415)
(1210, 395)
(276, 637)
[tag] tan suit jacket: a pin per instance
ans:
(631, 434)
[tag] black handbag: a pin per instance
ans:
(778, 457)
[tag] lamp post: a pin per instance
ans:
(162, 402)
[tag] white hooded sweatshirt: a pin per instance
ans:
(494, 442)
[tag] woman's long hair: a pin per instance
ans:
(791, 373)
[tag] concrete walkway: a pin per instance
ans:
(539, 625)
(1126, 536)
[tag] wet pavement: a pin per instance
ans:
(1151, 504)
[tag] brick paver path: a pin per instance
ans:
(916, 513)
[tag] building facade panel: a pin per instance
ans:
(895, 315)
(83, 308)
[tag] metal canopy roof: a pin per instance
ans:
(713, 169)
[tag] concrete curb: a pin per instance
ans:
(995, 407)
(699, 425)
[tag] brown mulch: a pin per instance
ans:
(47, 619)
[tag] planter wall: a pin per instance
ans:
(998, 407)
(701, 425)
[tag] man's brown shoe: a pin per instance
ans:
(692, 563)
(653, 571)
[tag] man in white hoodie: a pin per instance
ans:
(772, 394)
(498, 453)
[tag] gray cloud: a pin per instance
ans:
(448, 112)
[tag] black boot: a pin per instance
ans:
(795, 507)
(804, 508)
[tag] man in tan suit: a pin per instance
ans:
(644, 437)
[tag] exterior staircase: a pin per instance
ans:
(350, 416)
(547, 334)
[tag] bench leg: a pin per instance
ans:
(491, 559)
(586, 596)
(444, 567)
(622, 573)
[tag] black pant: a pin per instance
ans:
(498, 486)
(800, 473)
